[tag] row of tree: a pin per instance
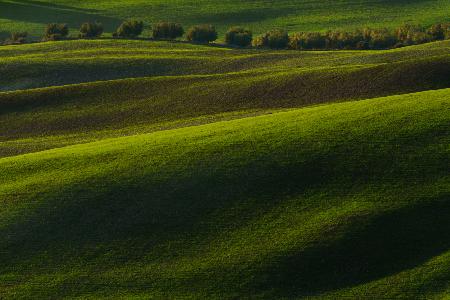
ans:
(276, 39)
(128, 29)
(367, 38)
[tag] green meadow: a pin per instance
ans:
(340, 200)
(138, 169)
(258, 15)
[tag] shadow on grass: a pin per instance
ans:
(371, 248)
(242, 16)
(54, 5)
(36, 12)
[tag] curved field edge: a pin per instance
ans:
(357, 204)
(39, 119)
(69, 62)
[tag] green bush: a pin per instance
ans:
(364, 39)
(421, 37)
(91, 30)
(332, 40)
(55, 32)
(17, 38)
(409, 34)
(202, 34)
(446, 29)
(167, 30)
(440, 31)
(307, 40)
(358, 39)
(382, 39)
(362, 45)
(259, 41)
(129, 29)
(239, 36)
(437, 32)
(275, 39)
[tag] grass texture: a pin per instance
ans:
(345, 199)
(140, 170)
(111, 89)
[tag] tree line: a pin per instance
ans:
(361, 39)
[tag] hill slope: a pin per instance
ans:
(165, 85)
(339, 200)
(259, 15)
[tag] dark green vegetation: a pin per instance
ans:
(91, 30)
(405, 35)
(129, 29)
(239, 36)
(202, 34)
(274, 39)
(167, 30)
(56, 32)
(136, 169)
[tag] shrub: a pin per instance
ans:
(358, 39)
(362, 45)
(349, 40)
(414, 34)
(275, 39)
(439, 31)
(332, 40)
(239, 36)
(259, 42)
(382, 39)
(366, 38)
(446, 29)
(307, 40)
(129, 29)
(202, 34)
(17, 38)
(421, 37)
(167, 30)
(55, 32)
(91, 30)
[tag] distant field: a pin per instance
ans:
(157, 85)
(259, 15)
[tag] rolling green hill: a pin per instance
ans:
(50, 64)
(155, 86)
(338, 200)
(133, 169)
(259, 15)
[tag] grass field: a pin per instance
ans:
(133, 169)
(151, 86)
(259, 15)
(267, 206)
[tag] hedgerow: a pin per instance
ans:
(275, 39)
(361, 39)
(369, 38)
